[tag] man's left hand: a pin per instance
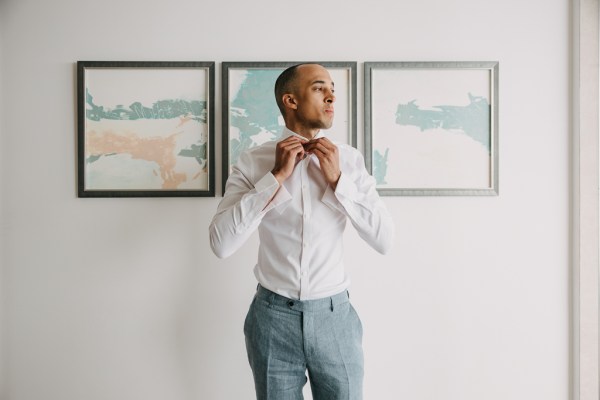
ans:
(329, 158)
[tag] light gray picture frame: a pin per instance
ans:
(372, 106)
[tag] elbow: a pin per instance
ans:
(216, 244)
(384, 246)
(219, 252)
(383, 250)
(381, 242)
(381, 238)
(386, 240)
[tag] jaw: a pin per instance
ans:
(309, 125)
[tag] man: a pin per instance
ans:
(299, 193)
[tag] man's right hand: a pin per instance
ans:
(288, 153)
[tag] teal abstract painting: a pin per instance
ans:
(432, 128)
(252, 117)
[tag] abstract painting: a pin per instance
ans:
(250, 113)
(432, 128)
(145, 129)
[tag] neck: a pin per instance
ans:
(308, 133)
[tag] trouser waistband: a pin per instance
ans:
(277, 300)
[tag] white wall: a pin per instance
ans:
(122, 299)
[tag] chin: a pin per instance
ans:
(327, 125)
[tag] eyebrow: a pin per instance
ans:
(322, 82)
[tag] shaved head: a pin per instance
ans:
(285, 83)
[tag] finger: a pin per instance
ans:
(292, 137)
(288, 140)
(291, 144)
(318, 146)
(293, 147)
(310, 145)
(324, 141)
(320, 155)
(294, 151)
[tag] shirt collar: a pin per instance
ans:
(286, 132)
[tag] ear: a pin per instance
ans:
(289, 101)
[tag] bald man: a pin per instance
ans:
(299, 193)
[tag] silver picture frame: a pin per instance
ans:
(431, 128)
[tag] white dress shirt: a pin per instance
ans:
(301, 228)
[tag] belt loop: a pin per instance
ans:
(331, 300)
(271, 300)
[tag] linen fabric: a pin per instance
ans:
(285, 338)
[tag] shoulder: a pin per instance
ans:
(352, 161)
(346, 148)
(271, 144)
(259, 151)
(257, 160)
(349, 153)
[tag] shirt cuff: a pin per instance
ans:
(345, 188)
(266, 182)
(270, 184)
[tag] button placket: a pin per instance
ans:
(306, 209)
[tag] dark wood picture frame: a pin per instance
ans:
(155, 110)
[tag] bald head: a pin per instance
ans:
(285, 83)
(305, 97)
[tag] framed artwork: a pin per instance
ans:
(250, 113)
(145, 129)
(431, 128)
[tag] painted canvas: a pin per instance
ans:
(432, 129)
(250, 113)
(146, 130)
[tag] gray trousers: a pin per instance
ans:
(287, 338)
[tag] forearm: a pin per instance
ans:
(241, 211)
(377, 229)
(365, 210)
(227, 236)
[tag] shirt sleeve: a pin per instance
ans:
(356, 196)
(243, 206)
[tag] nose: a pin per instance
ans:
(330, 98)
